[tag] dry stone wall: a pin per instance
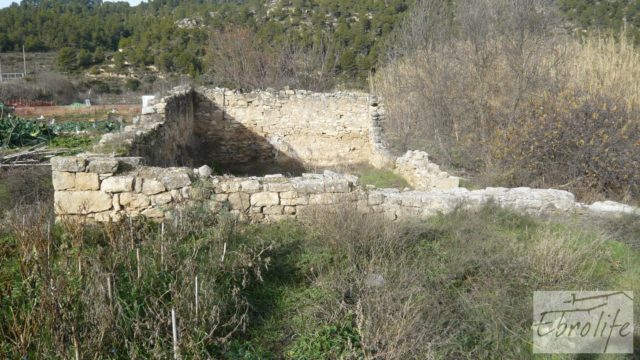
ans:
(317, 129)
(195, 127)
(267, 131)
(108, 189)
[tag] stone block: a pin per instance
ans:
(134, 201)
(87, 181)
(176, 195)
(265, 199)
(153, 213)
(279, 187)
(447, 183)
(256, 210)
(161, 199)
(229, 186)
(116, 184)
(220, 197)
(309, 185)
(116, 202)
(204, 172)
(273, 210)
(336, 186)
(250, 186)
(152, 187)
(288, 195)
(322, 199)
(103, 166)
(300, 200)
(289, 210)
(63, 180)
(68, 163)
(186, 192)
(175, 180)
(106, 216)
(239, 201)
(137, 184)
(81, 202)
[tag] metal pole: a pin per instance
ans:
(175, 333)
(24, 62)
(0, 71)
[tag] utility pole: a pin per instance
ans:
(0, 71)
(24, 62)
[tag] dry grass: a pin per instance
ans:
(455, 286)
(605, 66)
(78, 291)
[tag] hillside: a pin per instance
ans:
(612, 15)
(174, 35)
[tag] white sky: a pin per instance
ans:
(5, 3)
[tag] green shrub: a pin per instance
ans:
(132, 84)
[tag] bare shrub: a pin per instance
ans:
(585, 143)
(46, 86)
(497, 88)
(458, 71)
(239, 59)
(24, 186)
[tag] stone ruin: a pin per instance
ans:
(164, 158)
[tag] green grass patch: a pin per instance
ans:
(382, 179)
(75, 142)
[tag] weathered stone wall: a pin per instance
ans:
(297, 128)
(171, 141)
(266, 131)
(315, 129)
(103, 189)
(163, 135)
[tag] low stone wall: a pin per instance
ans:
(104, 189)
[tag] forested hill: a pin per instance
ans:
(604, 14)
(173, 34)
(327, 38)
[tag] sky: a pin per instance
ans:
(5, 3)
